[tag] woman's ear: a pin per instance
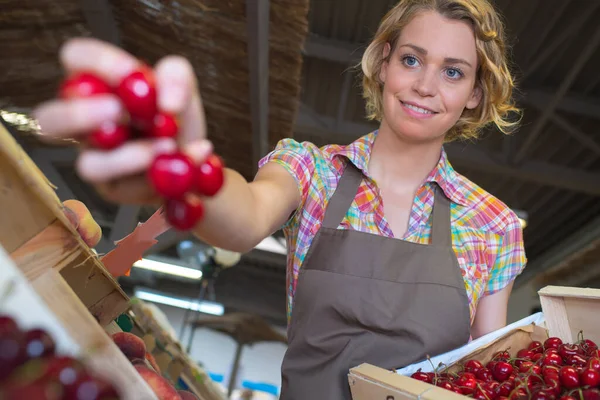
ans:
(384, 55)
(475, 98)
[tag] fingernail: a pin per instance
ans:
(103, 108)
(163, 146)
(172, 99)
(199, 149)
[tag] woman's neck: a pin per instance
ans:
(396, 161)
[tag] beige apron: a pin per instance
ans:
(365, 298)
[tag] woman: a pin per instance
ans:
(393, 255)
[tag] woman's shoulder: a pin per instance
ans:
(312, 156)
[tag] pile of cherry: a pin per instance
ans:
(173, 176)
(30, 368)
(552, 370)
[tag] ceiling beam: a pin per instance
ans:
(257, 22)
(571, 103)
(333, 50)
(571, 248)
(322, 130)
(578, 64)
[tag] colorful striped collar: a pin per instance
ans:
(359, 153)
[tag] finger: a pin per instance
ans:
(199, 150)
(178, 94)
(106, 60)
(67, 118)
(132, 158)
(129, 190)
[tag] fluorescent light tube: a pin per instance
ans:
(207, 307)
(167, 268)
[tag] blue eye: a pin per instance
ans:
(454, 73)
(410, 61)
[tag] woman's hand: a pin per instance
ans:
(119, 175)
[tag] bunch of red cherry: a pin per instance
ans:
(552, 370)
(173, 176)
(30, 368)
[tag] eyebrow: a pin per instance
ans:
(449, 60)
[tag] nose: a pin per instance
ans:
(426, 83)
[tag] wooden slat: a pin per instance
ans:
(103, 354)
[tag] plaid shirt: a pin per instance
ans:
(486, 235)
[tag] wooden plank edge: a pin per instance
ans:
(568, 291)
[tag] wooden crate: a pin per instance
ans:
(170, 356)
(51, 304)
(567, 311)
(571, 310)
(62, 270)
(37, 234)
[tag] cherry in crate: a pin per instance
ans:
(551, 370)
(174, 177)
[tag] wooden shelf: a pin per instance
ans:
(38, 240)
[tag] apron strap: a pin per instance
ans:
(441, 230)
(342, 198)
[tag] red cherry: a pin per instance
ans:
(569, 377)
(164, 126)
(589, 346)
(172, 175)
(12, 352)
(502, 370)
(537, 356)
(594, 363)
(505, 388)
(542, 394)
(109, 136)
(525, 354)
(183, 214)
(567, 350)
(484, 374)
(65, 369)
(89, 388)
(552, 343)
(7, 324)
(501, 356)
(473, 366)
(41, 390)
(210, 176)
(590, 377)
(518, 394)
(576, 361)
(444, 384)
(137, 91)
(82, 85)
(38, 343)
(535, 347)
(466, 382)
(552, 359)
(421, 376)
(525, 366)
(591, 394)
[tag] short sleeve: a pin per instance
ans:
(298, 159)
(510, 257)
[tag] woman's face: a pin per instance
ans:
(429, 78)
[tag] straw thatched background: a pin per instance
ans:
(212, 34)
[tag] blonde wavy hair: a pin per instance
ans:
(493, 75)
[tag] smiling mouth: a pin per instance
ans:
(420, 110)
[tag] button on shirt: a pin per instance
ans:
(487, 236)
